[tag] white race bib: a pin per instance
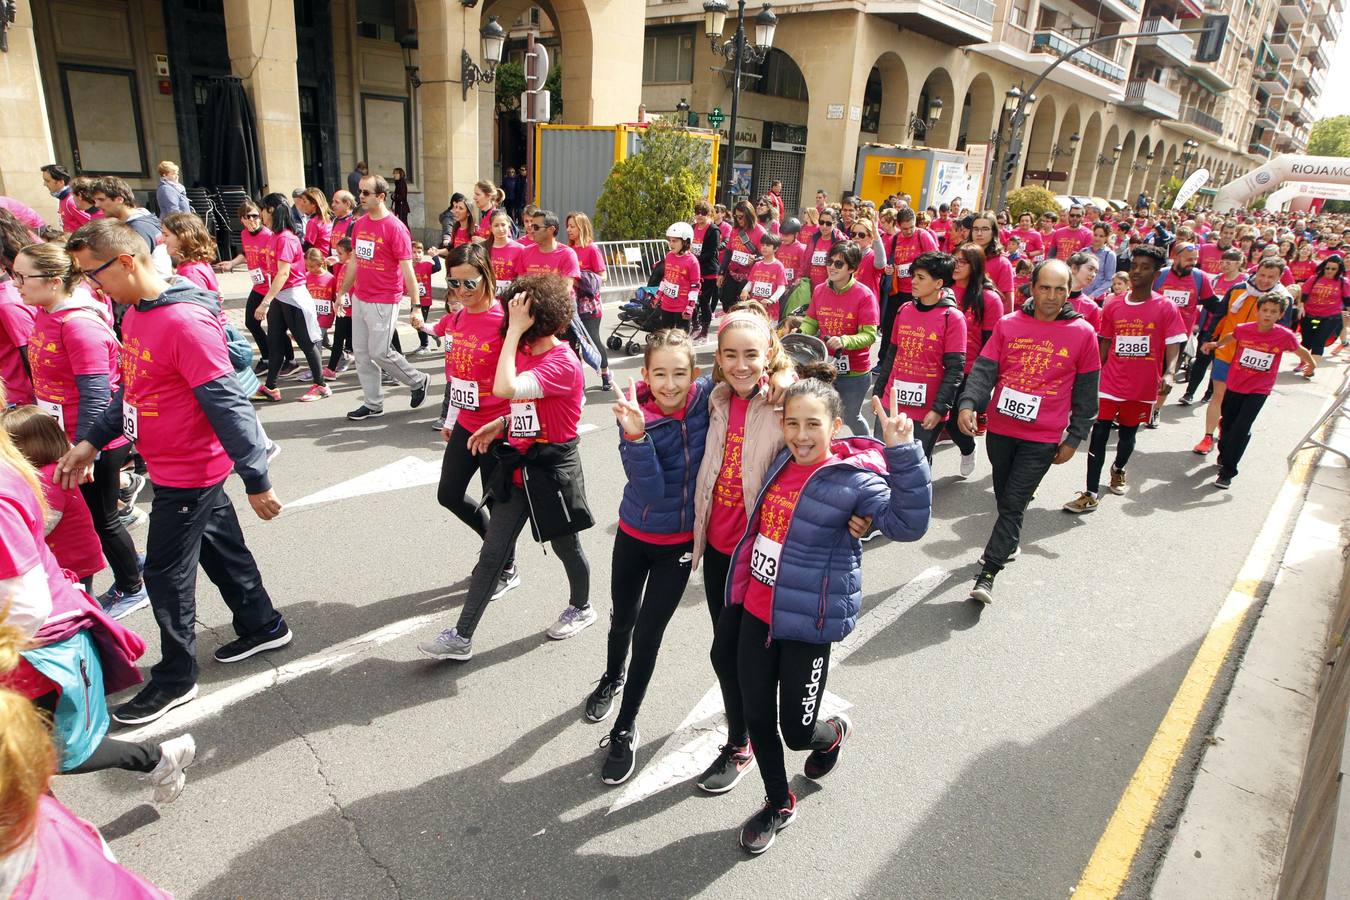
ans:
(449, 343)
(841, 364)
(818, 258)
(464, 394)
(670, 289)
(790, 273)
(902, 271)
(421, 289)
(54, 410)
(1256, 360)
(365, 249)
(1181, 298)
(764, 560)
(740, 257)
(696, 248)
(524, 420)
(323, 307)
(910, 393)
(761, 289)
(131, 428)
(256, 276)
(1136, 346)
(503, 285)
(1019, 406)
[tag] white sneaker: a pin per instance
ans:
(449, 644)
(571, 621)
(170, 774)
(967, 464)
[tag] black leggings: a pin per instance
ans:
(282, 317)
(889, 310)
(782, 686)
(730, 292)
(458, 466)
(668, 319)
(100, 495)
(592, 324)
(1101, 433)
(255, 327)
(726, 635)
(1235, 428)
(109, 754)
(422, 336)
(1318, 332)
(646, 584)
(342, 340)
(1199, 366)
(707, 298)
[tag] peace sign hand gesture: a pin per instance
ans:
(896, 428)
(629, 413)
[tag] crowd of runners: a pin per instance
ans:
(906, 327)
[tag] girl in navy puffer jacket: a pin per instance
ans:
(664, 425)
(795, 581)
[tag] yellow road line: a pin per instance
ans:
(1110, 863)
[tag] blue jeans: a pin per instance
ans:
(853, 391)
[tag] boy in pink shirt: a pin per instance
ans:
(768, 277)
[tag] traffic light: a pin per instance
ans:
(1213, 32)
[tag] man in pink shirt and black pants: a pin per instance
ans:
(181, 406)
(380, 276)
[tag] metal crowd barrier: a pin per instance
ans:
(1336, 407)
(628, 264)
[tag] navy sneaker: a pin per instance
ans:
(118, 605)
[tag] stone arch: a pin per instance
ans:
(1041, 136)
(1085, 167)
(1101, 182)
(893, 119)
(1155, 177)
(979, 112)
(938, 86)
(1061, 159)
(1121, 171)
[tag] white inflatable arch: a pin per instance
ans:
(1285, 167)
(1290, 195)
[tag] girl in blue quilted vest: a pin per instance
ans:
(795, 582)
(664, 425)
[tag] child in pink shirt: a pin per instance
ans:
(321, 285)
(768, 277)
(424, 267)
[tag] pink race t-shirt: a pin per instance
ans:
(422, 272)
(23, 546)
(24, 213)
(484, 229)
(506, 264)
(286, 248)
(562, 260)
(1324, 296)
(16, 325)
(1256, 357)
(1066, 241)
(166, 352)
(1037, 365)
(319, 234)
(817, 257)
(257, 248)
(1032, 242)
(473, 343)
(73, 541)
(1000, 272)
(1136, 336)
(775, 517)
(742, 252)
(679, 280)
(993, 311)
(1303, 269)
(64, 345)
(199, 273)
(1211, 258)
(322, 286)
(552, 418)
(792, 254)
(841, 314)
(379, 246)
(765, 278)
(1088, 309)
(904, 250)
(921, 337)
(1182, 291)
(726, 516)
(590, 259)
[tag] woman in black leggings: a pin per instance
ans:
(294, 310)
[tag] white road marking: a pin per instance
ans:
(404, 473)
(688, 751)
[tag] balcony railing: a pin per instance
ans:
(1274, 82)
(1331, 25)
(1258, 149)
(1048, 41)
(1285, 45)
(1177, 46)
(1295, 12)
(1153, 97)
(1268, 114)
(1201, 119)
(978, 9)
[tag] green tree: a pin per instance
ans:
(1168, 192)
(1330, 137)
(1032, 199)
(655, 186)
(510, 84)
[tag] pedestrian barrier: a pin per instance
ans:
(1337, 407)
(628, 264)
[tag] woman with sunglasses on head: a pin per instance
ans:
(473, 341)
(294, 310)
(873, 265)
(739, 254)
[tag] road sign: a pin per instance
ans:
(716, 117)
(1045, 175)
(536, 68)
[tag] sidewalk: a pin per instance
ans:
(1233, 838)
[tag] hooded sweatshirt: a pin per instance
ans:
(926, 357)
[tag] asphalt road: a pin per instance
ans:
(990, 746)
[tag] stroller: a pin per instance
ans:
(639, 314)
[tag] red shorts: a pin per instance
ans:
(1127, 413)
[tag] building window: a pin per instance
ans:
(387, 124)
(377, 19)
(103, 112)
(781, 78)
(1019, 13)
(669, 57)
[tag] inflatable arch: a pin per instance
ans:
(1290, 195)
(1285, 167)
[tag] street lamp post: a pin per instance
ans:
(1188, 157)
(737, 51)
(920, 126)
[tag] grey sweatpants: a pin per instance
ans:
(373, 327)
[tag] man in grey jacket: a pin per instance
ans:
(181, 405)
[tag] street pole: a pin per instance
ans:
(738, 47)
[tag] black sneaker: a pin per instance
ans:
(983, 590)
(288, 369)
(601, 700)
(135, 484)
(152, 702)
(728, 769)
(419, 393)
(820, 763)
(279, 635)
(759, 830)
(260, 367)
(508, 580)
(1185, 400)
(1223, 482)
(622, 757)
(364, 412)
